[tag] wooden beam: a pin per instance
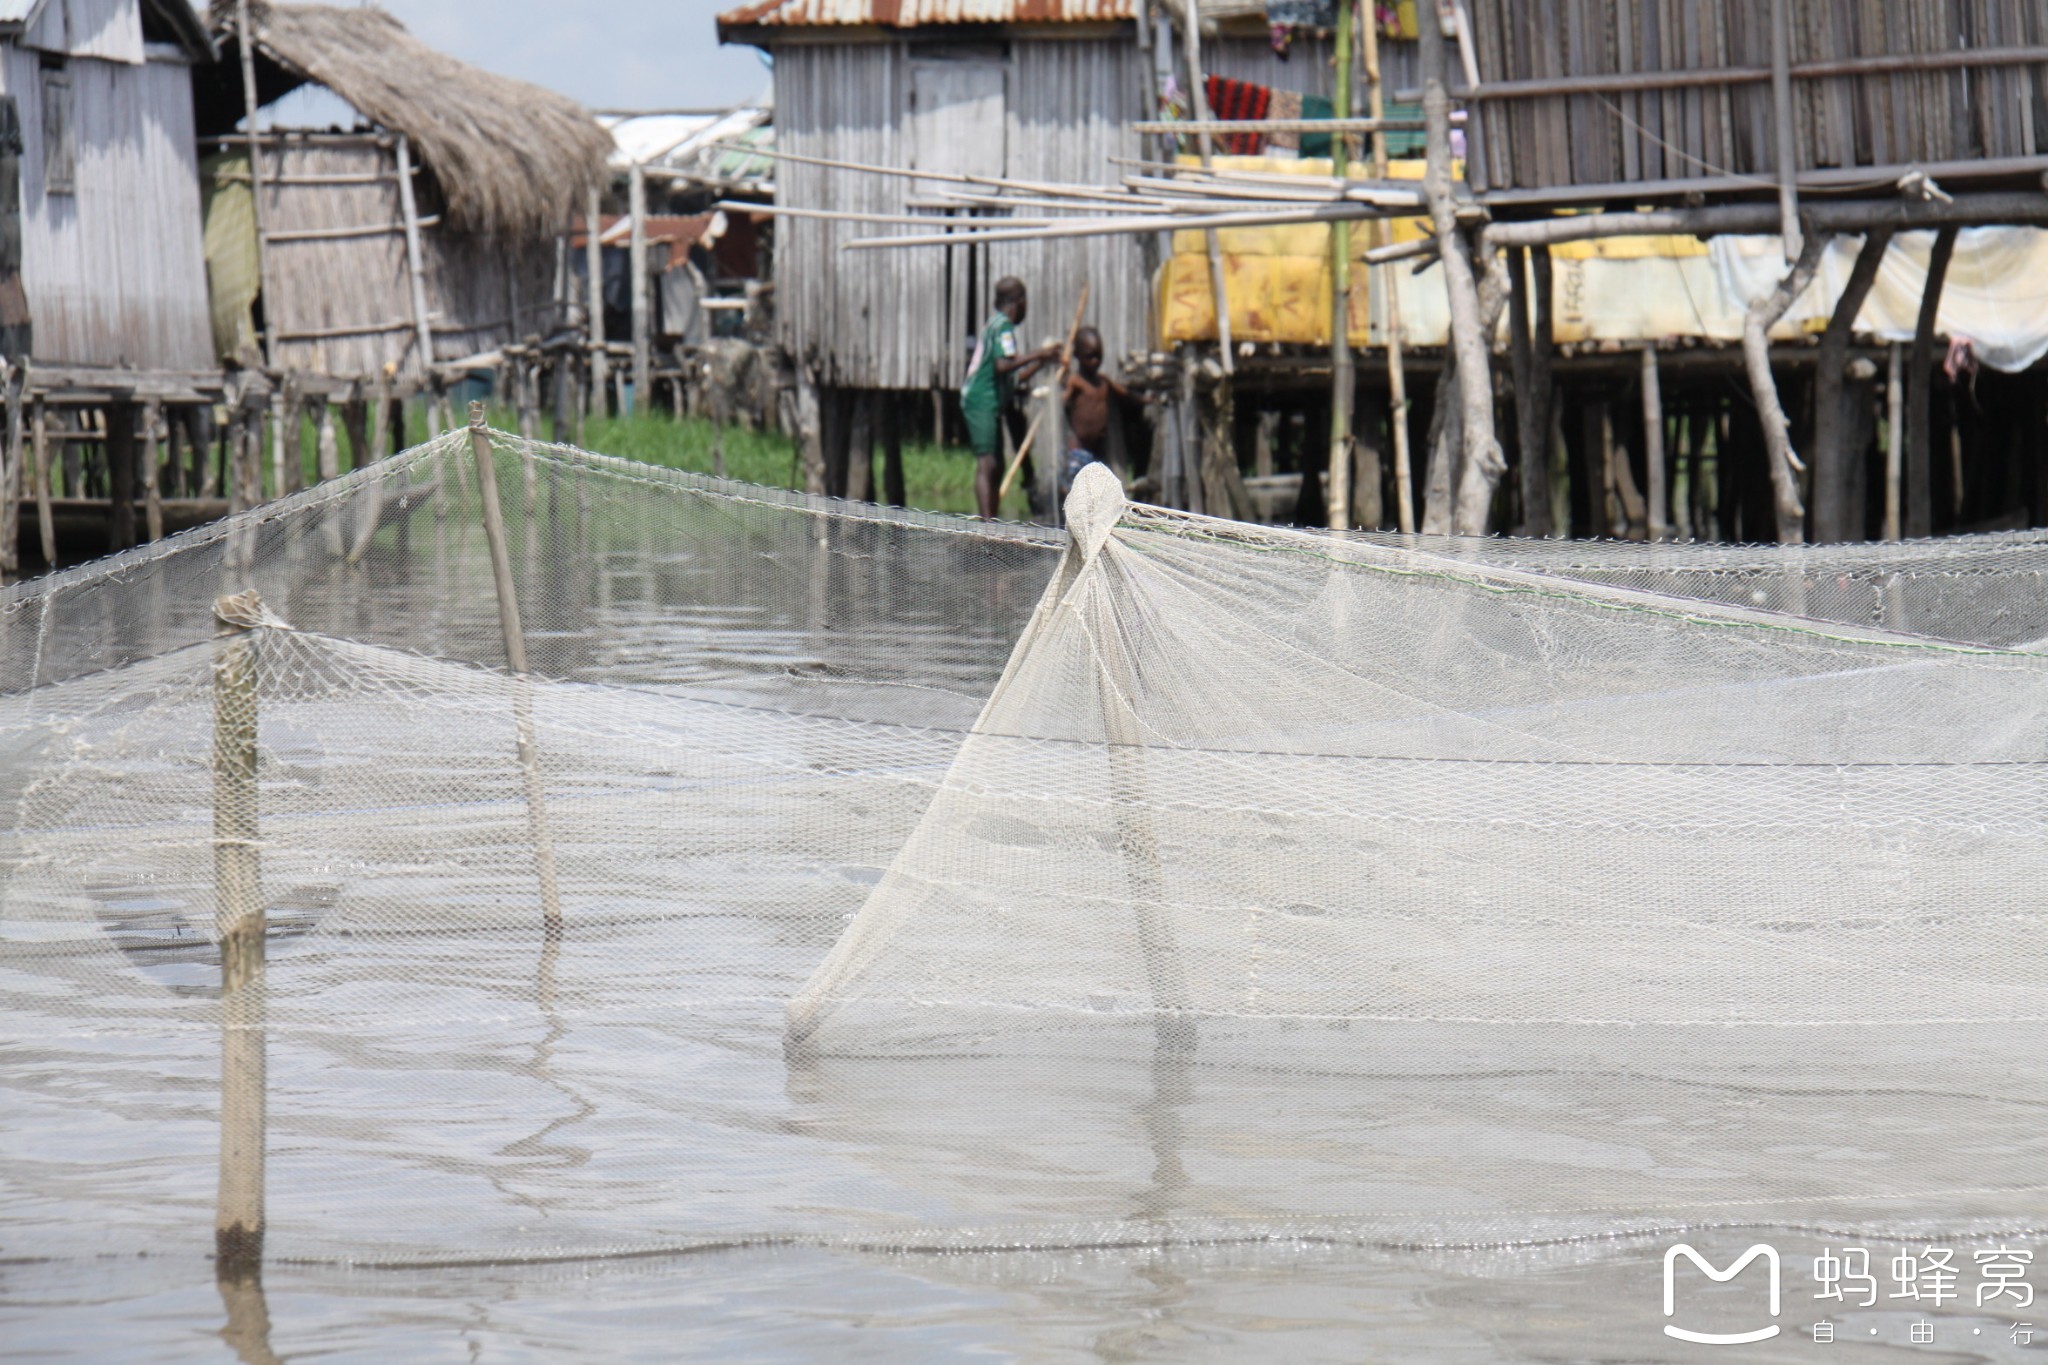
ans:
(1919, 381)
(245, 44)
(415, 266)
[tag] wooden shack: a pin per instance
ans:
(1005, 88)
(428, 232)
(100, 261)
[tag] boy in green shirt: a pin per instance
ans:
(992, 376)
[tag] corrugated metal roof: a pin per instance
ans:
(922, 13)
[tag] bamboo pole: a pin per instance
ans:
(636, 194)
(1320, 211)
(1383, 285)
(46, 522)
(515, 658)
(1198, 93)
(415, 266)
(1782, 114)
(1343, 382)
(1894, 436)
(238, 1221)
(597, 401)
(152, 494)
(245, 43)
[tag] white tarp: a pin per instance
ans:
(1635, 289)
(1996, 293)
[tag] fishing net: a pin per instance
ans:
(862, 877)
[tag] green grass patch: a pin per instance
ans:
(936, 478)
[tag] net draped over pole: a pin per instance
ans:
(929, 883)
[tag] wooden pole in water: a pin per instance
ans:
(239, 925)
(515, 658)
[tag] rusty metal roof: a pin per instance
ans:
(922, 13)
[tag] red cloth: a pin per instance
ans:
(1229, 99)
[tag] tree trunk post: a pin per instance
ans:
(1481, 466)
(46, 522)
(642, 305)
(597, 400)
(1785, 466)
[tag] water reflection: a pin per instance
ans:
(247, 1331)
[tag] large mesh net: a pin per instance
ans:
(863, 877)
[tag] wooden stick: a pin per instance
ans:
(1078, 191)
(515, 657)
(1225, 127)
(1343, 379)
(1024, 446)
(238, 1219)
(1093, 227)
(415, 268)
(245, 44)
(1781, 113)
(1919, 478)
(1397, 375)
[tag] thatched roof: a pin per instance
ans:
(510, 158)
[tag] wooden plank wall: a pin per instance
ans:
(343, 304)
(1873, 120)
(901, 319)
(114, 272)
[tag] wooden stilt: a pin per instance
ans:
(892, 450)
(46, 524)
(1834, 518)
(1656, 525)
(642, 305)
(153, 502)
(13, 477)
(121, 462)
(1919, 474)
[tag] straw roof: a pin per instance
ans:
(511, 158)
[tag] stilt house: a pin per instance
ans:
(428, 232)
(1007, 88)
(100, 260)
